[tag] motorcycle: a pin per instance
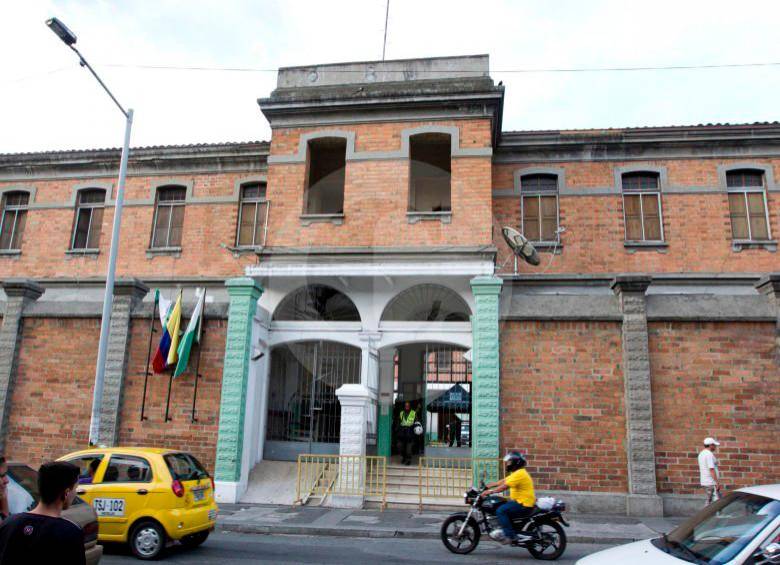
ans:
(461, 532)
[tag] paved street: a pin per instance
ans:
(227, 548)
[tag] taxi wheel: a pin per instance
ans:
(195, 539)
(147, 540)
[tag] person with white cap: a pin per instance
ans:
(708, 470)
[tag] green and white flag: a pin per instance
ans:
(191, 335)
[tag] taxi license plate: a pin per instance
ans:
(109, 506)
(198, 494)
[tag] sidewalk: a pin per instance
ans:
(316, 521)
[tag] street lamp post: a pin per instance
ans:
(69, 39)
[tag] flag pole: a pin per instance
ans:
(152, 331)
(173, 370)
(197, 362)
(168, 401)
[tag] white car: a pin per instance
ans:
(742, 528)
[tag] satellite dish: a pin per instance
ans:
(520, 245)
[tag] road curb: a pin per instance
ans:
(378, 534)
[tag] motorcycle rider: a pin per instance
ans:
(521, 496)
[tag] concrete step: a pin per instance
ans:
(412, 502)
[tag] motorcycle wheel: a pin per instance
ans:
(461, 545)
(552, 542)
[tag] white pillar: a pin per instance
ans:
(356, 400)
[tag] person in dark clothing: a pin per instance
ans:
(41, 535)
(4, 507)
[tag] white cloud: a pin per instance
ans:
(65, 109)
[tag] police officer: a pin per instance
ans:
(407, 418)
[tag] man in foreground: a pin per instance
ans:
(41, 535)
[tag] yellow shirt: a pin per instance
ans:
(521, 488)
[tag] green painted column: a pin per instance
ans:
(485, 367)
(384, 432)
(244, 293)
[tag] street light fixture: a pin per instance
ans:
(69, 38)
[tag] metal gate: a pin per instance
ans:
(304, 415)
(447, 387)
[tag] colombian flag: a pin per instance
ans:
(166, 354)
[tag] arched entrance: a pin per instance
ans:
(304, 415)
(435, 378)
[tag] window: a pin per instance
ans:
(127, 469)
(325, 178)
(185, 467)
(252, 215)
(539, 206)
(88, 465)
(317, 302)
(747, 205)
(13, 220)
(427, 303)
(89, 219)
(168, 217)
(430, 171)
(642, 207)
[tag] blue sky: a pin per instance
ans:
(48, 102)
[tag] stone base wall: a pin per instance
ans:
(720, 380)
(562, 403)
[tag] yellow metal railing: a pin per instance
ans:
(450, 477)
(341, 475)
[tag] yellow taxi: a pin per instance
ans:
(147, 497)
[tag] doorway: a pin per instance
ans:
(304, 415)
(435, 379)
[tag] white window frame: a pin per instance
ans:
(641, 193)
(256, 201)
(16, 209)
(538, 194)
(167, 204)
(745, 190)
(91, 206)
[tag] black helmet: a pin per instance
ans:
(514, 461)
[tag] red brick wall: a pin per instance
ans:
(376, 193)
(52, 400)
(595, 232)
(47, 233)
(562, 402)
(721, 380)
(200, 437)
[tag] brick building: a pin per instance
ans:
(356, 261)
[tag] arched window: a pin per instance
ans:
(427, 303)
(14, 216)
(89, 218)
(747, 205)
(252, 215)
(642, 206)
(317, 302)
(539, 207)
(430, 171)
(168, 217)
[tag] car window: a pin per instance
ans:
(127, 469)
(184, 467)
(20, 499)
(85, 463)
(721, 530)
